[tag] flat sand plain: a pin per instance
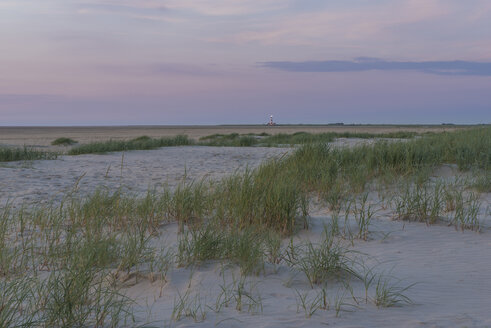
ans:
(451, 269)
(43, 136)
(136, 172)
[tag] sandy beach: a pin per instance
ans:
(135, 171)
(450, 269)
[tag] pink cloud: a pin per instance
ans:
(370, 30)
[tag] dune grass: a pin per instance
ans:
(262, 198)
(24, 154)
(330, 259)
(298, 138)
(482, 182)
(319, 167)
(220, 140)
(140, 143)
(391, 292)
(231, 140)
(63, 141)
(209, 242)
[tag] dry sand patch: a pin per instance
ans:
(136, 171)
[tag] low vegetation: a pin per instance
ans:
(8, 154)
(298, 138)
(482, 182)
(63, 142)
(221, 140)
(143, 143)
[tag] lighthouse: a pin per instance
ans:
(271, 123)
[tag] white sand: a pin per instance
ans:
(452, 269)
(136, 171)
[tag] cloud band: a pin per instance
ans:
(456, 67)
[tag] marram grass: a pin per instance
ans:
(8, 154)
(140, 143)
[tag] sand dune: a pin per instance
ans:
(451, 269)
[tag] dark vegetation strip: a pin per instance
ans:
(227, 140)
(8, 154)
(142, 143)
(63, 142)
(298, 138)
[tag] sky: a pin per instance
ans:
(125, 62)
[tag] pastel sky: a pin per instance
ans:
(113, 62)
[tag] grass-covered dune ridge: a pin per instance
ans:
(143, 143)
(334, 172)
(227, 140)
(297, 138)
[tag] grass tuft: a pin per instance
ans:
(63, 142)
(328, 260)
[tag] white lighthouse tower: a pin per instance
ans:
(271, 123)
